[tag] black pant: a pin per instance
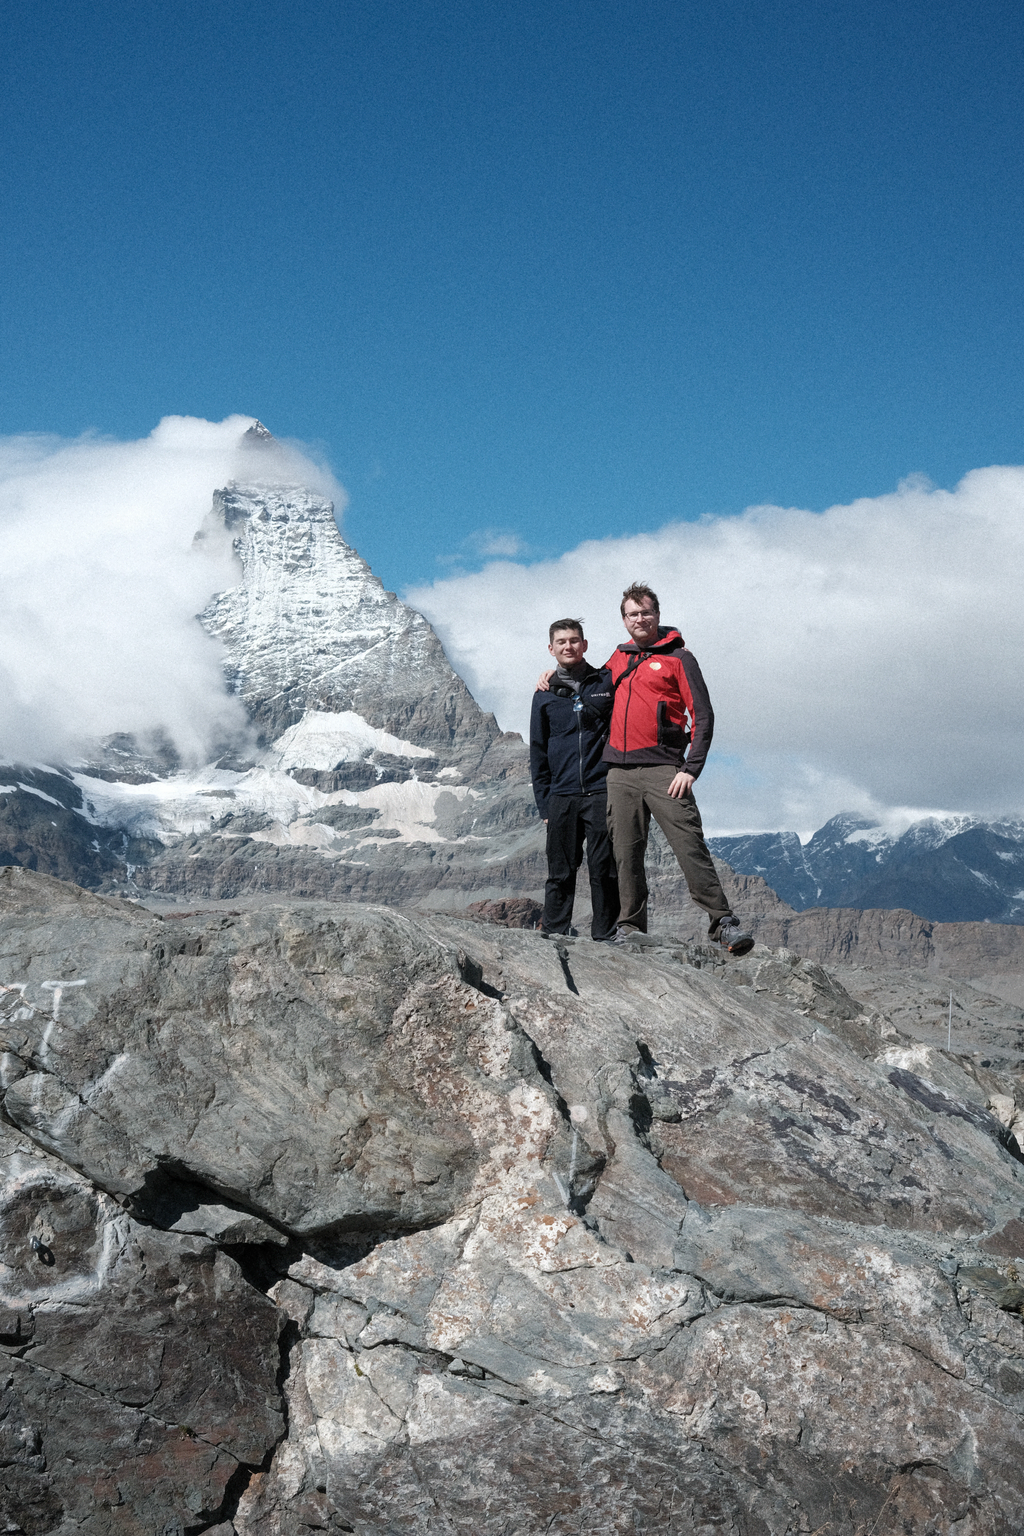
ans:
(571, 820)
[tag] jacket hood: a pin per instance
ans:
(667, 637)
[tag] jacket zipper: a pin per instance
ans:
(629, 697)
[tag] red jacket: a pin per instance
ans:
(661, 706)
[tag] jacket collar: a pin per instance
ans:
(556, 684)
(667, 638)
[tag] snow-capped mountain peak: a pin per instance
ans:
(309, 627)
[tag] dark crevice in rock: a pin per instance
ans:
(257, 1261)
(544, 1068)
(355, 1235)
(171, 1191)
(1009, 1143)
(243, 1474)
(580, 1198)
(472, 973)
(234, 1488)
(563, 960)
(648, 1066)
(290, 1336)
(264, 1264)
(642, 1116)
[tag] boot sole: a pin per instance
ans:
(742, 948)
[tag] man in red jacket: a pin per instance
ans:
(661, 709)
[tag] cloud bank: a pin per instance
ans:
(868, 657)
(101, 585)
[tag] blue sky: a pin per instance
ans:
(526, 273)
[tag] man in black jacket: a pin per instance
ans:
(568, 732)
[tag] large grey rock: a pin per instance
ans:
(138, 1369)
(273, 1058)
(561, 1238)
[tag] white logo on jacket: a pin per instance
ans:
(655, 666)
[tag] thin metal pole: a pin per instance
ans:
(949, 1031)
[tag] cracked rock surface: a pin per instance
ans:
(325, 1217)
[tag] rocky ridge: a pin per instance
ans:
(949, 869)
(327, 1217)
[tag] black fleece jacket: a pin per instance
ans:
(566, 742)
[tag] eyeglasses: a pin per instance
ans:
(648, 613)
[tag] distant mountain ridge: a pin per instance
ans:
(946, 869)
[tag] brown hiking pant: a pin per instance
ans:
(634, 796)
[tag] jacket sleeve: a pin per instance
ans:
(702, 716)
(540, 768)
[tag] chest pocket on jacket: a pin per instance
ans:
(670, 733)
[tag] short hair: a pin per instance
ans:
(636, 593)
(576, 624)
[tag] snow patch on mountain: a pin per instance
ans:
(216, 800)
(406, 812)
(948, 868)
(925, 832)
(29, 789)
(323, 740)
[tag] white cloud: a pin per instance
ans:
(486, 544)
(101, 585)
(869, 657)
(496, 544)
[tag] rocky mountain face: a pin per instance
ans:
(310, 629)
(950, 869)
(341, 1218)
(369, 771)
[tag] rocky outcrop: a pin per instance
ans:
(843, 936)
(486, 843)
(329, 1217)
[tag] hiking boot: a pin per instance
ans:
(733, 939)
(624, 934)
